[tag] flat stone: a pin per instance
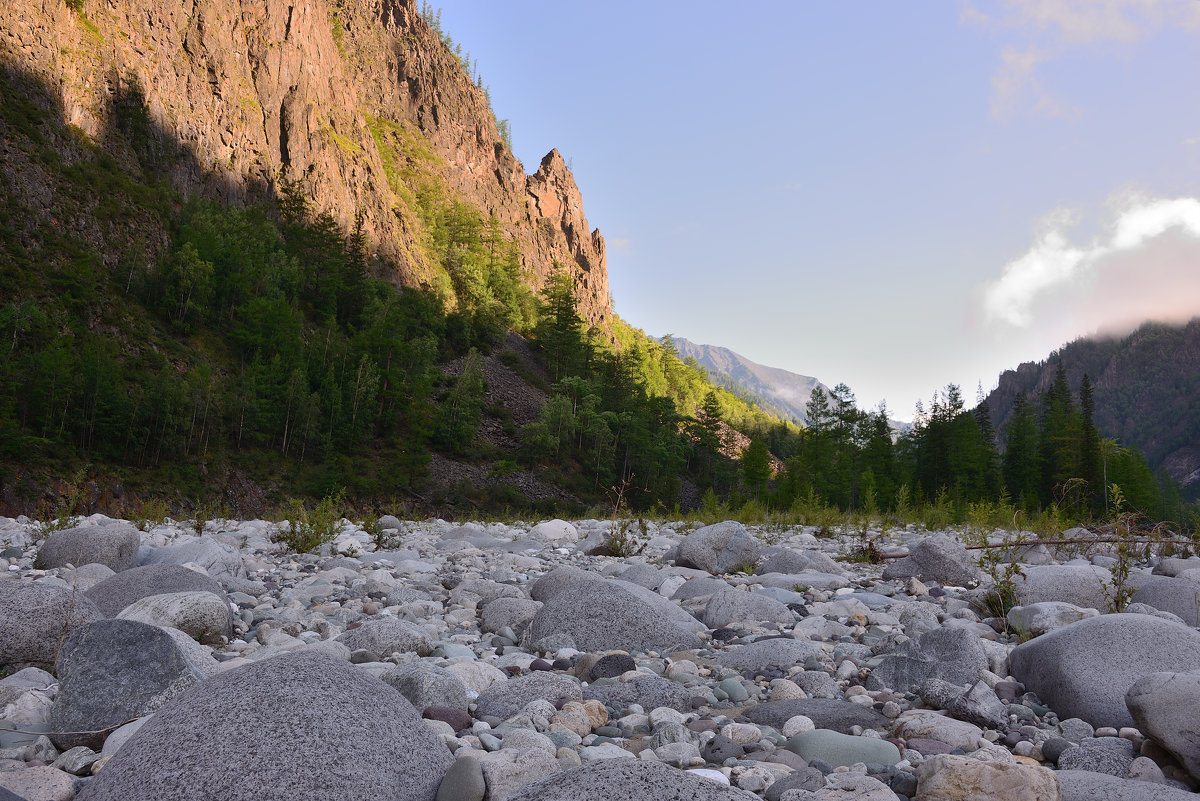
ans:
(1039, 618)
(825, 713)
(835, 748)
(932, 726)
(1085, 586)
(776, 652)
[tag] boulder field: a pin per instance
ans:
(485, 662)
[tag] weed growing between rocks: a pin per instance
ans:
(66, 513)
(621, 540)
(309, 530)
(150, 514)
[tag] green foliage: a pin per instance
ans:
(150, 513)
(309, 530)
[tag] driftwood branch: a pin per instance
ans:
(1070, 541)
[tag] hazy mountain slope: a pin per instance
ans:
(1147, 391)
(775, 389)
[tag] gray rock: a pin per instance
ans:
(427, 685)
(817, 683)
(720, 548)
(508, 770)
(114, 545)
(937, 558)
(218, 558)
(515, 613)
(386, 636)
(203, 616)
(249, 733)
(1038, 618)
(1111, 755)
(776, 652)
(506, 698)
(481, 592)
(647, 576)
(122, 735)
(649, 691)
(43, 782)
(605, 615)
(84, 577)
(1083, 785)
(803, 779)
(697, 587)
(1085, 586)
(981, 706)
(1084, 670)
(35, 619)
(114, 671)
(788, 561)
(626, 780)
(386, 522)
(1173, 565)
(835, 748)
(114, 594)
(464, 781)
(1164, 707)
(838, 716)
(949, 654)
(558, 580)
(1178, 596)
(732, 606)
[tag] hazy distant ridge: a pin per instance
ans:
(787, 392)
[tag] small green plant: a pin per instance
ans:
(150, 514)
(622, 540)
(1123, 523)
(309, 530)
(66, 514)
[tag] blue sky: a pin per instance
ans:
(893, 195)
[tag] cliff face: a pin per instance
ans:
(241, 94)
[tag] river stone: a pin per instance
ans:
(731, 606)
(114, 545)
(836, 748)
(1046, 616)
(203, 616)
(216, 557)
(613, 615)
(825, 713)
(949, 654)
(1178, 596)
(650, 692)
(558, 580)
(506, 698)
(775, 652)
(115, 593)
(719, 548)
(1085, 586)
(385, 636)
(513, 613)
(35, 619)
(626, 780)
(1111, 755)
(697, 587)
(932, 726)
(84, 577)
(1084, 785)
(1164, 707)
(426, 685)
(938, 558)
(959, 778)
(1084, 670)
(42, 783)
(252, 733)
(114, 671)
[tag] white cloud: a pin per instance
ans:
(1195, 140)
(1144, 266)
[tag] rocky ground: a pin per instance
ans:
(505, 661)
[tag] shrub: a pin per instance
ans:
(309, 530)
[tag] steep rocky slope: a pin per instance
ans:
(1147, 392)
(358, 101)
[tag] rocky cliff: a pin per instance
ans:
(349, 98)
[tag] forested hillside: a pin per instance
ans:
(1146, 387)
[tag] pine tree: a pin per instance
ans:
(1091, 469)
(1021, 466)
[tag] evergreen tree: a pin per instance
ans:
(1021, 464)
(1058, 438)
(1091, 468)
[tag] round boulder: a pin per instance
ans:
(1085, 669)
(719, 548)
(114, 545)
(294, 725)
(119, 591)
(386, 636)
(203, 616)
(35, 619)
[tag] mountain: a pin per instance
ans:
(775, 390)
(360, 105)
(1146, 389)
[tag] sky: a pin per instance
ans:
(896, 196)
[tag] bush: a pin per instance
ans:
(307, 531)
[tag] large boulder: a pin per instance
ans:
(114, 545)
(604, 615)
(218, 558)
(1086, 785)
(119, 591)
(506, 698)
(114, 671)
(1085, 669)
(948, 777)
(650, 692)
(559, 580)
(1164, 707)
(950, 654)
(731, 606)
(825, 713)
(1179, 596)
(1086, 586)
(426, 685)
(720, 548)
(781, 652)
(35, 619)
(938, 558)
(203, 616)
(298, 725)
(385, 636)
(626, 780)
